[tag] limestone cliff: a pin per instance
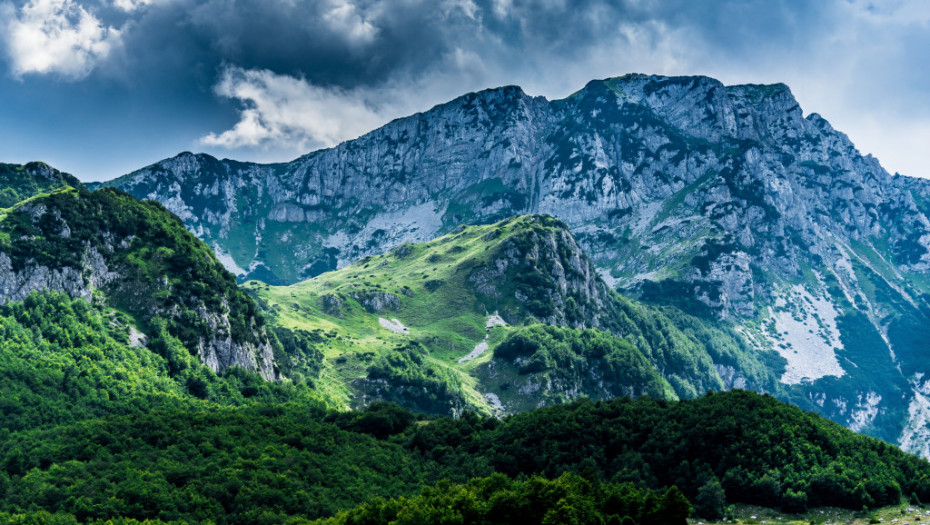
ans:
(725, 201)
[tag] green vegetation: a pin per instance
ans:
(64, 360)
(477, 287)
(251, 465)
(618, 461)
(405, 376)
(500, 500)
(589, 362)
(759, 450)
(20, 182)
(141, 258)
(179, 443)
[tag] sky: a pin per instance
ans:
(99, 88)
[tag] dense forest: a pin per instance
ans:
(569, 499)
(64, 360)
(755, 448)
(269, 462)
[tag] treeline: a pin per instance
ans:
(729, 447)
(270, 463)
(499, 500)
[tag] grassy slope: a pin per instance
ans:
(447, 319)
(22, 181)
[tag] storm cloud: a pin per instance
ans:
(273, 79)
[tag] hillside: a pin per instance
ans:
(727, 202)
(64, 360)
(103, 424)
(107, 247)
(296, 463)
(501, 317)
(20, 181)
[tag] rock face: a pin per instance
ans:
(107, 246)
(720, 200)
(16, 285)
(221, 350)
(542, 271)
(635, 166)
(375, 302)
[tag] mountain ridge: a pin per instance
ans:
(725, 201)
(499, 318)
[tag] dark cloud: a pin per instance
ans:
(179, 70)
(340, 43)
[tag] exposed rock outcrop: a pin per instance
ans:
(546, 273)
(110, 247)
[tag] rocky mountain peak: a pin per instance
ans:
(724, 201)
(538, 269)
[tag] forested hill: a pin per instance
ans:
(136, 257)
(64, 360)
(274, 463)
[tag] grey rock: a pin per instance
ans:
(727, 194)
(376, 301)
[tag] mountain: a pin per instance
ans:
(21, 181)
(502, 317)
(104, 423)
(726, 202)
(136, 257)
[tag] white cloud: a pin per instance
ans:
(55, 36)
(466, 7)
(281, 111)
(344, 19)
(291, 115)
(502, 8)
(134, 5)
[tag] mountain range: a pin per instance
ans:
(724, 205)
(209, 340)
